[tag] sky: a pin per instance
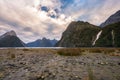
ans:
(35, 19)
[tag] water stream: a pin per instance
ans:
(97, 37)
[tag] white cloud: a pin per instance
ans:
(30, 22)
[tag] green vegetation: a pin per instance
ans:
(79, 34)
(106, 40)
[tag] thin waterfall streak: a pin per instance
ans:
(97, 37)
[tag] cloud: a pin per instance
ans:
(95, 11)
(29, 21)
(34, 19)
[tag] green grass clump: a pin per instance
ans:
(69, 52)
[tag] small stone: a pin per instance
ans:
(42, 77)
(54, 74)
(101, 63)
(76, 76)
(1, 75)
(106, 62)
(118, 63)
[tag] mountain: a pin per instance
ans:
(79, 34)
(110, 36)
(10, 39)
(42, 43)
(53, 42)
(112, 19)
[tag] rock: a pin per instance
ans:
(119, 64)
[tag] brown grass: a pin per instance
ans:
(81, 51)
(1, 75)
(70, 52)
(25, 49)
(12, 56)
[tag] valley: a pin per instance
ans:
(60, 64)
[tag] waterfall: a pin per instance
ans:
(113, 37)
(97, 37)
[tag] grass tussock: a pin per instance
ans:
(108, 51)
(91, 75)
(70, 52)
(25, 49)
(12, 56)
(114, 54)
(95, 51)
(1, 75)
(81, 51)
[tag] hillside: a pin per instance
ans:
(79, 34)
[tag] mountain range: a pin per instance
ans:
(10, 39)
(42, 43)
(112, 19)
(84, 34)
(110, 36)
(77, 34)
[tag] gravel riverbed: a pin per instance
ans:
(45, 64)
